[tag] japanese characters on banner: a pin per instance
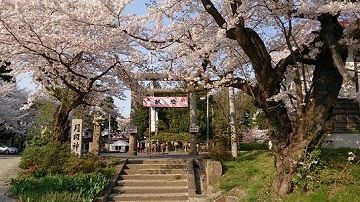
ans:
(76, 136)
(165, 102)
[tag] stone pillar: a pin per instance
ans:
(213, 174)
(232, 122)
(193, 123)
(95, 146)
(133, 131)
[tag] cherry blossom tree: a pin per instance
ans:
(11, 113)
(72, 48)
(288, 55)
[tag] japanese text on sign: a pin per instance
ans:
(76, 136)
(165, 102)
(194, 129)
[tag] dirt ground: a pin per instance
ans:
(8, 170)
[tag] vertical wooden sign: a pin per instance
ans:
(76, 136)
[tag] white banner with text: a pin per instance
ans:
(165, 102)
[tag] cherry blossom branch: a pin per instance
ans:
(151, 40)
(219, 19)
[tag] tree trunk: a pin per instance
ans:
(285, 171)
(291, 134)
(286, 163)
(61, 124)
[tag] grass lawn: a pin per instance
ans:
(332, 179)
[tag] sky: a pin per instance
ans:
(24, 80)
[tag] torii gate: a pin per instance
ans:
(134, 103)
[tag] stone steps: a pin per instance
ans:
(152, 180)
(153, 171)
(150, 189)
(152, 176)
(149, 197)
(156, 161)
(154, 166)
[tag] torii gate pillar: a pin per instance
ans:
(133, 129)
(193, 123)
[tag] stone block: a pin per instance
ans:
(213, 172)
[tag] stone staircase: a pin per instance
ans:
(152, 180)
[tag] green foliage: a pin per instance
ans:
(306, 170)
(168, 137)
(79, 187)
(85, 164)
(220, 119)
(253, 146)
(325, 167)
(335, 180)
(5, 135)
(41, 127)
(218, 151)
(108, 105)
(142, 121)
(54, 174)
(84, 112)
(177, 119)
(55, 158)
(46, 159)
(220, 107)
(252, 172)
(261, 122)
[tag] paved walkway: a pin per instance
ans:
(9, 166)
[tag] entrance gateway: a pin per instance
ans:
(154, 102)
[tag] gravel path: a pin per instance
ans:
(9, 166)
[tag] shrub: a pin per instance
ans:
(46, 159)
(79, 187)
(54, 174)
(218, 152)
(84, 164)
(253, 146)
